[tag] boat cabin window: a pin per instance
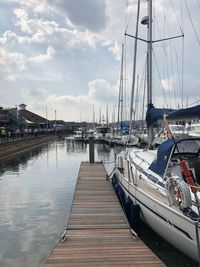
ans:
(188, 146)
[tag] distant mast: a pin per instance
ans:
(120, 100)
(93, 119)
(107, 122)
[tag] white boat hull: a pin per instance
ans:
(170, 225)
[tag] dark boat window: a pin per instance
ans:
(188, 146)
(152, 178)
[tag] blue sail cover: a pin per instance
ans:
(154, 114)
(185, 113)
(164, 150)
(123, 125)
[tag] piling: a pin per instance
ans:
(91, 149)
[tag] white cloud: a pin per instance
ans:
(100, 93)
(43, 57)
(9, 38)
(116, 50)
(31, 94)
(66, 50)
(11, 64)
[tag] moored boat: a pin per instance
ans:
(164, 183)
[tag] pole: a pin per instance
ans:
(198, 244)
(55, 123)
(91, 149)
(149, 69)
(134, 71)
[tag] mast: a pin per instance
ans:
(134, 70)
(120, 100)
(100, 115)
(107, 115)
(149, 69)
(93, 119)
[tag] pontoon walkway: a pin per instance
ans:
(97, 233)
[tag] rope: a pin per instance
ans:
(108, 162)
(165, 99)
(194, 186)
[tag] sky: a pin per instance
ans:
(65, 56)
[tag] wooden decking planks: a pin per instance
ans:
(97, 232)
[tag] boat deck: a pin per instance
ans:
(98, 233)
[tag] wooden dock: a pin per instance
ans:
(97, 233)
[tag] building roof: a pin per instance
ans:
(32, 117)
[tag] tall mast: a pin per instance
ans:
(93, 119)
(134, 70)
(149, 68)
(107, 115)
(120, 100)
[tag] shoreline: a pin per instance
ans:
(12, 149)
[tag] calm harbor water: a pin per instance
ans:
(36, 192)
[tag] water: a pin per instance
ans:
(36, 192)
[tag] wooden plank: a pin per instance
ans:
(97, 233)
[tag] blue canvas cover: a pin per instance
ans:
(184, 146)
(122, 125)
(154, 114)
(164, 150)
(185, 113)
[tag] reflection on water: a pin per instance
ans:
(21, 160)
(36, 191)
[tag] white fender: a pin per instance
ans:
(120, 162)
(171, 187)
(170, 191)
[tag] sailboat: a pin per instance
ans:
(164, 183)
(123, 137)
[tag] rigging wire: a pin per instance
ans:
(179, 67)
(144, 90)
(164, 47)
(180, 24)
(136, 100)
(165, 99)
(183, 50)
(198, 3)
(167, 72)
(179, 76)
(144, 95)
(172, 68)
(194, 29)
(125, 58)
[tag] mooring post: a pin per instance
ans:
(91, 149)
